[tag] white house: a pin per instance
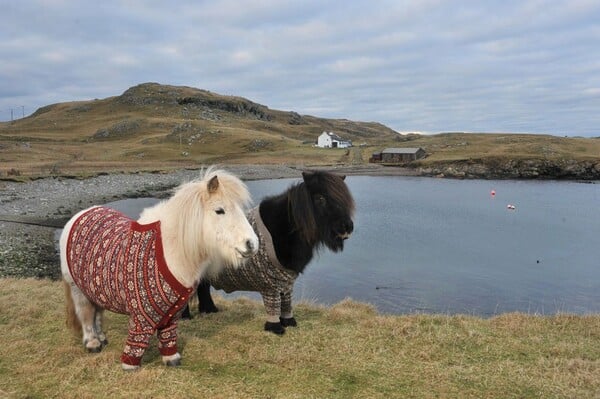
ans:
(332, 140)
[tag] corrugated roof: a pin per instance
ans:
(400, 150)
(335, 136)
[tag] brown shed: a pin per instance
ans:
(401, 155)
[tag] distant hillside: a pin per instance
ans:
(171, 125)
(158, 127)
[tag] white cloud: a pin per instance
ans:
(123, 60)
(55, 57)
(412, 65)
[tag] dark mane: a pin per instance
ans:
(293, 221)
(338, 191)
(302, 213)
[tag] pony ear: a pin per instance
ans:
(307, 176)
(343, 177)
(213, 185)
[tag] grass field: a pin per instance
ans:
(345, 351)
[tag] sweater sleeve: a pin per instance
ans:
(272, 301)
(167, 340)
(136, 343)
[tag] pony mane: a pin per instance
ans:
(338, 191)
(230, 186)
(301, 210)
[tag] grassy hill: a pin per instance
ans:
(152, 126)
(160, 127)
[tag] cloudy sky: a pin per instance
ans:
(428, 66)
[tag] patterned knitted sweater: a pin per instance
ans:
(262, 273)
(119, 265)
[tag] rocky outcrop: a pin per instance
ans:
(118, 130)
(296, 119)
(237, 106)
(149, 94)
(204, 101)
(513, 169)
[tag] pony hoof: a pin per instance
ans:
(291, 322)
(186, 315)
(208, 309)
(275, 328)
(172, 361)
(94, 349)
(93, 346)
(129, 367)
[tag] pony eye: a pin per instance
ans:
(220, 211)
(321, 200)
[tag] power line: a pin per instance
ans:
(12, 113)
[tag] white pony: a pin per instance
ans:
(149, 268)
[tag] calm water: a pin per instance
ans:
(449, 246)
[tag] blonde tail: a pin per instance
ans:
(72, 319)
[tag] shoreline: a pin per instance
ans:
(31, 212)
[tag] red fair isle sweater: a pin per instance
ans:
(119, 265)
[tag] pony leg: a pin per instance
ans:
(205, 301)
(287, 316)
(98, 320)
(167, 345)
(135, 346)
(272, 301)
(186, 315)
(86, 313)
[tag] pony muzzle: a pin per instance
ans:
(347, 229)
(245, 254)
(344, 236)
(250, 250)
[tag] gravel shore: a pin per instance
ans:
(32, 213)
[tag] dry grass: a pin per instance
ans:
(344, 351)
(463, 146)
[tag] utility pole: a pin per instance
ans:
(23, 109)
(11, 114)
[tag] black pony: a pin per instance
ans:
(291, 227)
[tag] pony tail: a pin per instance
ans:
(302, 213)
(72, 320)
